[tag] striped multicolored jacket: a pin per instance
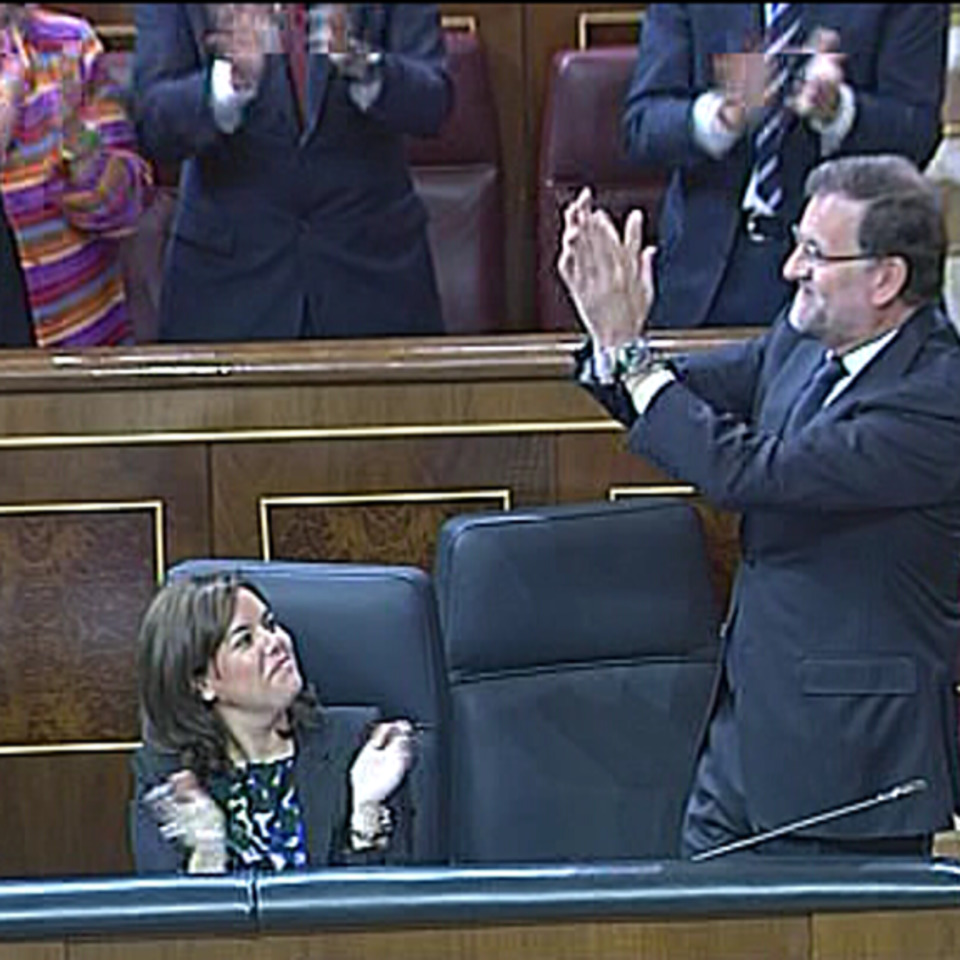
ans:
(67, 217)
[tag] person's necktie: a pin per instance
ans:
(783, 31)
(295, 47)
(827, 375)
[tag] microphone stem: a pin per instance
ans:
(895, 793)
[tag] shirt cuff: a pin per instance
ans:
(832, 134)
(710, 133)
(644, 389)
(226, 101)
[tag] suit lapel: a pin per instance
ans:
(893, 361)
(317, 793)
(787, 383)
(318, 82)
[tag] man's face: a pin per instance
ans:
(834, 299)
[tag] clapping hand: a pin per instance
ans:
(610, 280)
(187, 813)
(818, 93)
(244, 33)
(382, 763)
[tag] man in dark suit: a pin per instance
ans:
(725, 98)
(297, 214)
(837, 436)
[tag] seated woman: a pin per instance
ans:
(241, 767)
(71, 178)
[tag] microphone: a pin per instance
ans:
(901, 790)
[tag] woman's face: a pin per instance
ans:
(254, 669)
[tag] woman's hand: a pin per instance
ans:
(382, 763)
(187, 813)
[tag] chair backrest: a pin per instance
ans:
(581, 648)
(458, 176)
(581, 145)
(368, 634)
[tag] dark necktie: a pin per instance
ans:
(827, 375)
(783, 31)
(295, 47)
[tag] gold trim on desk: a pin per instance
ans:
(604, 18)
(348, 499)
(58, 749)
(377, 431)
(96, 506)
(461, 22)
(653, 490)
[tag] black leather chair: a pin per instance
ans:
(368, 634)
(581, 647)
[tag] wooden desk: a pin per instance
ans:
(115, 464)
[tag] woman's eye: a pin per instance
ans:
(241, 640)
(270, 621)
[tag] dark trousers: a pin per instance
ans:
(717, 810)
(16, 325)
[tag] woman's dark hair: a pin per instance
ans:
(903, 216)
(180, 634)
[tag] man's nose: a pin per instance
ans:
(794, 267)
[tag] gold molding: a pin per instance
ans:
(653, 490)
(106, 506)
(950, 130)
(380, 431)
(411, 496)
(57, 749)
(611, 18)
(465, 22)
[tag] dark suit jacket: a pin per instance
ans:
(842, 640)
(272, 217)
(895, 63)
(16, 325)
(321, 774)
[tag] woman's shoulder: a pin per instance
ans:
(338, 728)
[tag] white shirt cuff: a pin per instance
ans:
(226, 101)
(710, 133)
(644, 389)
(832, 134)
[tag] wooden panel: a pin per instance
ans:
(74, 588)
(782, 938)
(64, 814)
(243, 473)
(402, 529)
(33, 951)
(926, 934)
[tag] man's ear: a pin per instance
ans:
(891, 277)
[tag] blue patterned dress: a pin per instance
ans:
(264, 819)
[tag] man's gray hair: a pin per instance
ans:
(904, 215)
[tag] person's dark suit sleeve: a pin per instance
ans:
(656, 124)
(417, 91)
(151, 852)
(896, 448)
(171, 79)
(901, 113)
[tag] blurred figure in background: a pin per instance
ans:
(72, 181)
(297, 215)
(740, 101)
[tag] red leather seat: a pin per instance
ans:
(458, 175)
(581, 146)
